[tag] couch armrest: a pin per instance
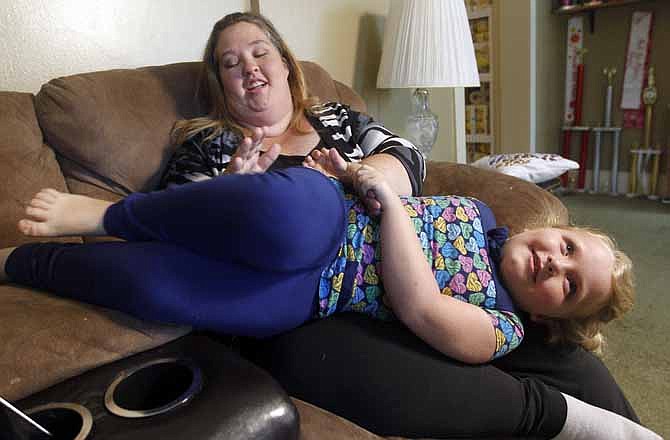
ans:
(516, 203)
(236, 399)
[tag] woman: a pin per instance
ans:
(257, 97)
(263, 88)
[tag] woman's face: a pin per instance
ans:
(557, 273)
(254, 76)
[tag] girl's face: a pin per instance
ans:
(254, 75)
(557, 273)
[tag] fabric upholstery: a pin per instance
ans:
(516, 203)
(46, 339)
(114, 126)
(318, 424)
(26, 164)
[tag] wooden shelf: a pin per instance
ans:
(479, 138)
(590, 8)
(484, 77)
(593, 6)
(479, 13)
(483, 33)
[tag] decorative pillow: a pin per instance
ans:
(533, 167)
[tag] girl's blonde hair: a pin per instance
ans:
(210, 88)
(587, 332)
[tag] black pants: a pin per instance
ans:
(383, 378)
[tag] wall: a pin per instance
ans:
(525, 84)
(41, 40)
(550, 65)
(44, 39)
(514, 75)
(607, 47)
(345, 37)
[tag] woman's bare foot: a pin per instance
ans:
(53, 213)
(4, 254)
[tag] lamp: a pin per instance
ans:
(427, 43)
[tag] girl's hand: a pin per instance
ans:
(249, 159)
(329, 162)
(373, 189)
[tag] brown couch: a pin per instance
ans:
(106, 134)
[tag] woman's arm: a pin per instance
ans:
(398, 159)
(393, 170)
(460, 330)
(359, 139)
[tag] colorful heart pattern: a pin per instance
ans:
(451, 234)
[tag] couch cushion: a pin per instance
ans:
(321, 84)
(319, 424)
(46, 339)
(26, 164)
(114, 126)
(516, 203)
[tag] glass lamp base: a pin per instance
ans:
(422, 124)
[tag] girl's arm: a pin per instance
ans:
(460, 330)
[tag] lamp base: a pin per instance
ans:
(422, 124)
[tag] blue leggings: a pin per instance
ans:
(239, 254)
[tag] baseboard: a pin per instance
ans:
(622, 184)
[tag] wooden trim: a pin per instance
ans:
(255, 6)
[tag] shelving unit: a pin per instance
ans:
(590, 7)
(479, 101)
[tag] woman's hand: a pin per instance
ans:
(329, 162)
(248, 158)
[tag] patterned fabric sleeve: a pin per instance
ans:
(508, 329)
(374, 138)
(197, 159)
(356, 136)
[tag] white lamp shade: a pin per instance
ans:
(427, 43)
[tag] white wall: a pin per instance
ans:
(514, 69)
(44, 39)
(325, 31)
(345, 37)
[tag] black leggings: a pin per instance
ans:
(382, 377)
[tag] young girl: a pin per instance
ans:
(214, 255)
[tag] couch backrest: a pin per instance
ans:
(26, 164)
(111, 129)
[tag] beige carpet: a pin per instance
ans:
(638, 351)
